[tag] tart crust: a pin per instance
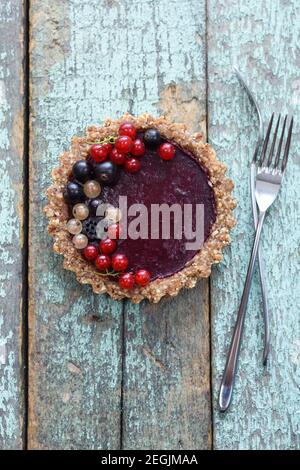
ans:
(211, 251)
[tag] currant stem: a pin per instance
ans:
(109, 274)
(108, 140)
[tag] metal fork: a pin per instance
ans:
(269, 177)
(255, 216)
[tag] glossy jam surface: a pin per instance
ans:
(179, 181)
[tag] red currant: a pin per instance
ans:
(127, 129)
(142, 277)
(108, 246)
(117, 157)
(138, 148)
(132, 165)
(99, 152)
(90, 252)
(108, 147)
(126, 281)
(113, 231)
(102, 262)
(166, 151)
(124, 144)
(119, 262)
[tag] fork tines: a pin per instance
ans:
(280, 160)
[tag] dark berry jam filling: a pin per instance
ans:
(180, 181)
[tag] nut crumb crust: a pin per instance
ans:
(211, 251)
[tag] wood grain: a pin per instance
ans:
(166, 378)
(264, 42)
(166, 402)
(94, 59)
(75, 336)
(11, 226)
(90, 60)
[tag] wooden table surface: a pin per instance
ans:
(79, 370)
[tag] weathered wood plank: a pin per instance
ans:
(166, 402)
(263, 40)
(166, 386)
(75, 336)
(11, 227)
(89, 60)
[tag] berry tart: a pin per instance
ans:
(151, 161)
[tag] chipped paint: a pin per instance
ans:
(184, 102)
(105, 58)
(4, 109)
(117, 56)
(8, 385)
(166, 375)
(11, 367)
(74, 369)
(162, 382)
(17, 133)
(3, 353)
(9, 221)
(265, 411)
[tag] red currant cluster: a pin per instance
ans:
(104, 260)
(128, 147)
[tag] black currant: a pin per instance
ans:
(89, 227)
(152, 138)
(74, 193)
(106, 172)
(93, 206)
(82, 171)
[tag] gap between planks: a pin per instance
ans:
(25, 278)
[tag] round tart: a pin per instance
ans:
(151, 162)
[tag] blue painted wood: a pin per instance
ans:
(86, 65)
(92, 60)
(11, 220)
(166, 402)
(263, 41)
(166, 387)
(75, 336)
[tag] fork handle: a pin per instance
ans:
(265, 307)
(231, 363)
(260, 268)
